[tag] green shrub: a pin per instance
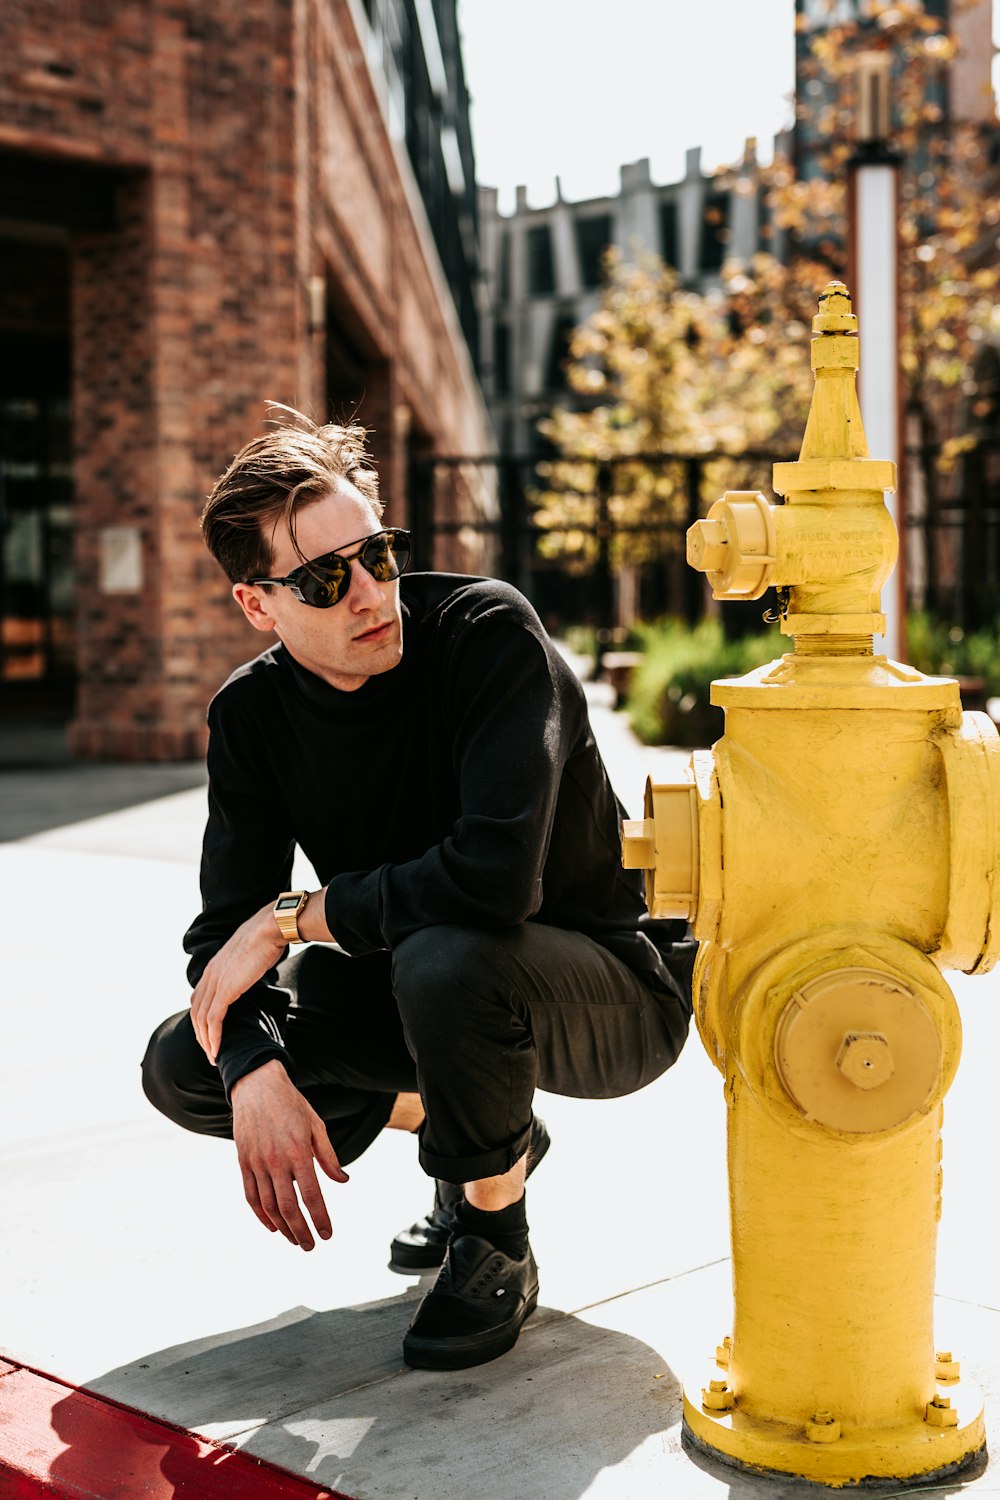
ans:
(949, 651)
(583, 639)
(668, 701)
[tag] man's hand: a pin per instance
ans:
(246, 957)
(277, 1135)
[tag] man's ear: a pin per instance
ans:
(254, 604)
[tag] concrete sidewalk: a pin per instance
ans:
(131, 1265)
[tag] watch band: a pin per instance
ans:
(287, 909)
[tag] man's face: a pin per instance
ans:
(359, 636)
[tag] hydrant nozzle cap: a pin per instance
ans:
(835, 315)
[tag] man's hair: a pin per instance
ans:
(275, 476)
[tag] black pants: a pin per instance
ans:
(473, 1019)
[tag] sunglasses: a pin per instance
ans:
(325, 580)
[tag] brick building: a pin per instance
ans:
(203, 206)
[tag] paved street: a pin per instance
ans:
(130, 1263)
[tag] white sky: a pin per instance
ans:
(577, 87)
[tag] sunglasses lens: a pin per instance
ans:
(324, 582)
(386, 555)
(321, 586)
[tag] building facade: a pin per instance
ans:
(542, 269)
(206, 206)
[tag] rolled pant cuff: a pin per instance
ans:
(460, 1169)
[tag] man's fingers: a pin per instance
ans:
(312, 1197)
(200, 1001)
(253, 1198)
(291, 1213)
(276, 1205)
(216, 1016)
(325, 1154)
(269, 1203)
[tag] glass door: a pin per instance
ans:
(36, 526)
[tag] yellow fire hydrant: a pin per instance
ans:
(834, 852)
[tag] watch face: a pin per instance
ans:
(287, 903)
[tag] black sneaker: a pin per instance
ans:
(423, 1245)
(474, 1310)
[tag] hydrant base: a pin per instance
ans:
(861, 1459)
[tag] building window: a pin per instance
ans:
(541, 272)
(593, 236)
(714, 232)
(765, 229)
(501, 359)
(668, 232)
(555, 374)
(503, 272)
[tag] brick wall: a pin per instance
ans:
(249, 155)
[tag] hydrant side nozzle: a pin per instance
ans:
(735, 545)
(707, 545)
(638, 844)
(672, 874)
(970, 759)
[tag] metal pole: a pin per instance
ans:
(512, 523)
(602, 576)
(693, 583)
(873, 183)
(423, 483)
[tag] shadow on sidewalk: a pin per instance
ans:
(327, 1396)
(37, 798)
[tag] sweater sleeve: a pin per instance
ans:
(246, 861)
(512, 718)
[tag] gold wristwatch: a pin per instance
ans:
(287, 910)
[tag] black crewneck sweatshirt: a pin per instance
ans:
(462, 787)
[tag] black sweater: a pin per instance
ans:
(463, 786)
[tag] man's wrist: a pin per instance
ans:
(286, 910)
(312, 919)
(264, 1074)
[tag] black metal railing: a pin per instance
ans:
(494, 514)
(562, 531)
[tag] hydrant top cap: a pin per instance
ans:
(835, 315)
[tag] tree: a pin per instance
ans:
(661, 369)
(950, 210)
(668, 371)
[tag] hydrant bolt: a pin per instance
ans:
(941, 1413)
(947, 1369)
(718, 1396)
(865, 1059)
(823, 1428)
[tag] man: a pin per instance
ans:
(430, 752)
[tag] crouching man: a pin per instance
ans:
(424, 744)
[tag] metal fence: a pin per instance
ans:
(601, 542)
(953, 534)
(597, 542)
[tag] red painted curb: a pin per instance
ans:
(58, 1442)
